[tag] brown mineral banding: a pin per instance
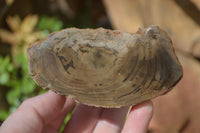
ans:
(105, 68)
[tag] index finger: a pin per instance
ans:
(139, 118)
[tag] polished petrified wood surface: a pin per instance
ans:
(105, 68)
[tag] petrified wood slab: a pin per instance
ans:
(105, 68)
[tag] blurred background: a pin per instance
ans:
(22, 22)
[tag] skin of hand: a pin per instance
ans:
(45, 114)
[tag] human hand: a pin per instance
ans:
(46, 113)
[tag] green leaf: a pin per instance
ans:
(4, 78)
(3, 115)
(28, 85)
(6, 69)
(13, 96)
(67, 118)
(21, 59)
(10, 67)
(45, 33)
(49, 23)
(42, 91)
(12, 109)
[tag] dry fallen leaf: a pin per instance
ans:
(179, 110)
(127, 15)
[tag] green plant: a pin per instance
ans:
(6, 68)
(49, 24)
(17, 79)
(14, 69)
